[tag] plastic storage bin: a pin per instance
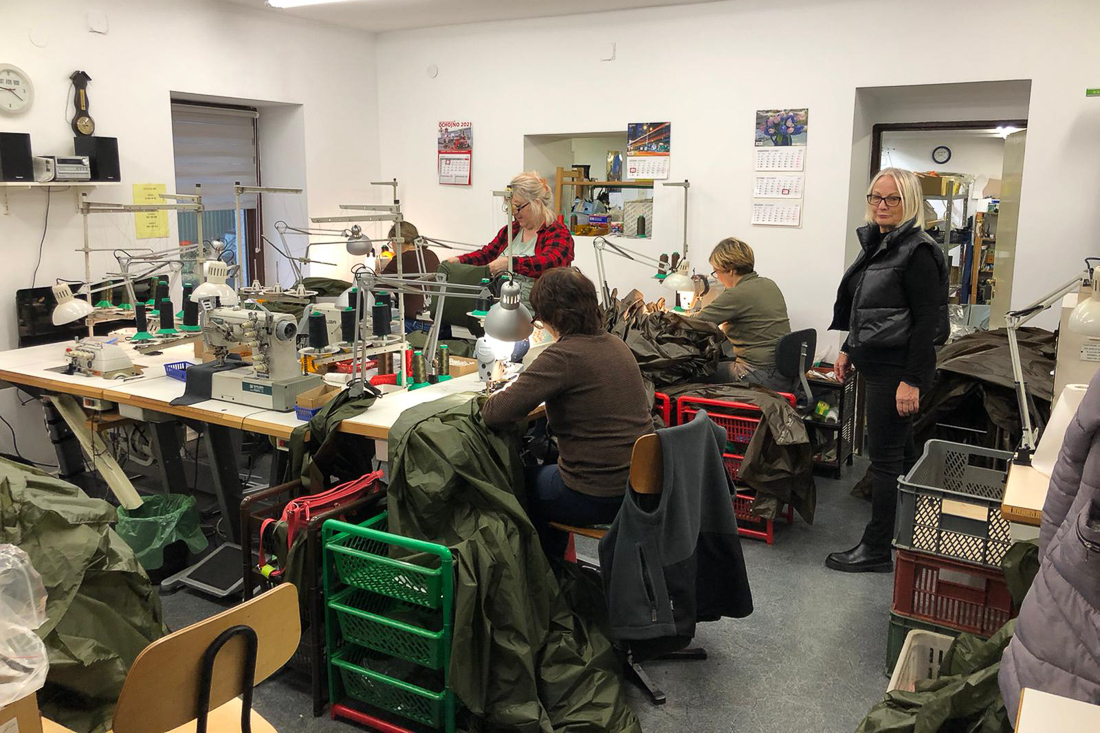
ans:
(388, 626)
(920, 659)
(950, 504)
(964, 597)
(899, 629)
(740, 421)
(178, 370)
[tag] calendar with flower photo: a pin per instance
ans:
(782, 127)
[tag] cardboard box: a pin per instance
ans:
(318, 397)
(938, 185)
(21, 716)
(461, 366)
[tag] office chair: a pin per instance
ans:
(794, 355)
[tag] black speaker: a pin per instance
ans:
(102, 152)
(15, 157)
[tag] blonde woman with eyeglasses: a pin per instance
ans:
(892, 302)
(538, 241)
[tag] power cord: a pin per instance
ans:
(42, 242)
(15, 445)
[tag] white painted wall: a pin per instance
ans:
(152, 50)
(704, 68)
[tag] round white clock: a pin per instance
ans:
(16, 90)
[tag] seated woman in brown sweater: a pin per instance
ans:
(596, 406)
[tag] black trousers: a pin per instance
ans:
(891, 448)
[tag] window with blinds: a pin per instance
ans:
(216, 147)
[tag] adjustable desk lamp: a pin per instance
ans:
(1085, 320)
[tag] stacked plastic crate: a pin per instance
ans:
(388, 627)
(739, 420)
(951, 539)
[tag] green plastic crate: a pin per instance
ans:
(900, 626)
(380, 611)
(367, 619)
(364, 562)
(387, 693)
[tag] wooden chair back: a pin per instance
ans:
(647, 465)
(161, 691)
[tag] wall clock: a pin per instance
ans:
(941, 154)
(16, 90)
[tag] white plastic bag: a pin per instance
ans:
(24, 661)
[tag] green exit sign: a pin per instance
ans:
(1092, 92)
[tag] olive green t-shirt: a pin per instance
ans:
(756, 318)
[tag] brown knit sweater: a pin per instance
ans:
(595, 404)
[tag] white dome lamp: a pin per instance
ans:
(509, 320)
(69, 308)
(1085, 318)
(217, 272)
(680, 279)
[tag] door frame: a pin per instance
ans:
(878, 129)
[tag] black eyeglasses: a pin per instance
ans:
(521, 207)
(891, 201)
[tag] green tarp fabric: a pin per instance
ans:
(455, 308)
(457, 347)
(318, 452)
(521, 659)
(102, 610)
(964, 699)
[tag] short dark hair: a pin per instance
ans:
(566, 300)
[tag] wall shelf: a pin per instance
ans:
(5, 186)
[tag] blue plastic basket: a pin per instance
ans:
(178, 370)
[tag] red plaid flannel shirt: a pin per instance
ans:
(554, 248)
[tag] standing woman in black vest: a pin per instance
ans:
(892, 302)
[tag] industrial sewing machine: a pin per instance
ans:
(275, 379)
(99, 356)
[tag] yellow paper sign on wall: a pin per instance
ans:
(150, 224)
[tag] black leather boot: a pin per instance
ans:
(861, 559)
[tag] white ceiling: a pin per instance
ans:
(390, 15)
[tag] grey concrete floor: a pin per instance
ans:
(808, 660)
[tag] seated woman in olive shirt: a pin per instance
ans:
(596, 406)
(753, 315)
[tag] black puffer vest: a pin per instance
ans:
(878, 316)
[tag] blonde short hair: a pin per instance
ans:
(733, 255)
(909, 188)
(533, 188)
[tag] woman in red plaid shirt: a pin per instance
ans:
(539, 242)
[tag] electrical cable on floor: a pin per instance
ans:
(42, 242)
(15, 445)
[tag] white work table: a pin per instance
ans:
(1025, 493)
(1042, 712)
(154, 391)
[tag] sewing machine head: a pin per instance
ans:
(271, 337)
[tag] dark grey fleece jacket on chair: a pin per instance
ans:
(1056, 647)
(681, 562)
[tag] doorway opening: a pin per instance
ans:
(966, 142)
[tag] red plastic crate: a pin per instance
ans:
(748, 524)
(958, 595)
(739, 419)
(663, 406)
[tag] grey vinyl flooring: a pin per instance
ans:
(808, 660)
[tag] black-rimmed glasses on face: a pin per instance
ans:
(891, 201)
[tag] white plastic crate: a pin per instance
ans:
(920, 659)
